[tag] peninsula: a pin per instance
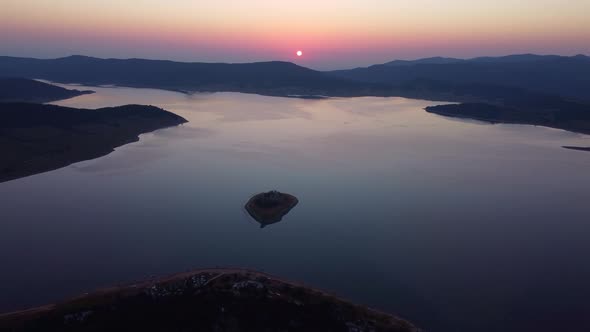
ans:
(557, 113)
(577, 148)
(36, 138)
(27, 90)
(206, 300)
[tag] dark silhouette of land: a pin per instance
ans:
(433, 78)
(552, 86)
(560, 115)
(206, 300)
(270, 207)
(568, 77)
(577, 148)
(36, 138)
(268, 78)
(27, 90)
(530, 89)
(434, 60)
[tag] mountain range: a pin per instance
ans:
(434, 78)
(536, 89)
(272, 78)
(568, 77)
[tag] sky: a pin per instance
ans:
(332, 34)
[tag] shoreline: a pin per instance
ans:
(513, 116)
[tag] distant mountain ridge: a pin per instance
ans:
(540, 85)
(568, 77)
(433, 60)
(273, 78)
(498, 59)
(558, 75)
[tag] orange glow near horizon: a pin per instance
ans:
(338, 33)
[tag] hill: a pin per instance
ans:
(568, 77)
(36, 138)
(270, 78)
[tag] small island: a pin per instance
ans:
(270, 207)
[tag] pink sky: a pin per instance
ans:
(332, 34)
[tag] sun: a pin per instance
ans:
(299, 53)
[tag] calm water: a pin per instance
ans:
(455, 225)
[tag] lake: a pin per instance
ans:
(454, 225)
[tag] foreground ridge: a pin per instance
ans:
(207, 300)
